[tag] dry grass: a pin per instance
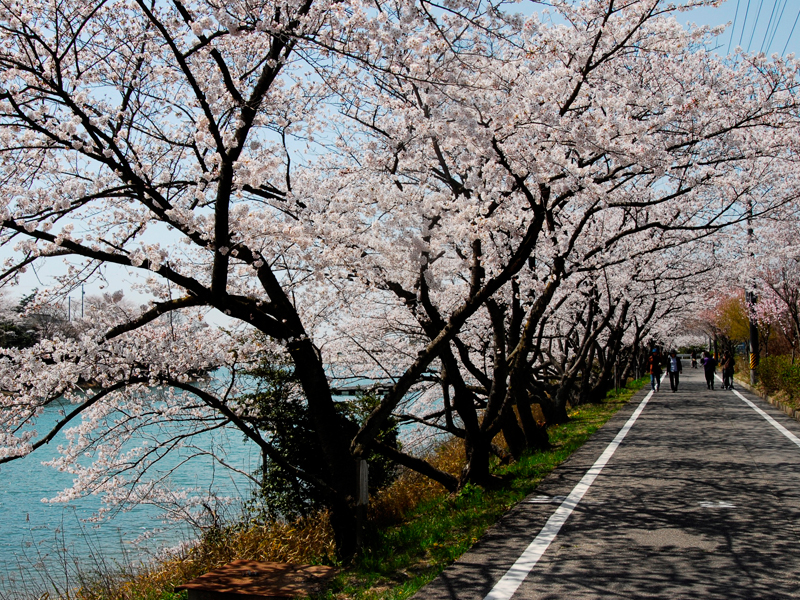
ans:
(391, 504)
(308, 540)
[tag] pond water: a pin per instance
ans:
(41, 541)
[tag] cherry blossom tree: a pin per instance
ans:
(373, 187)
(602, 141)
(155, 138)
(774, 274)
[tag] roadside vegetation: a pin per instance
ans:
(726, 324)
(415, 527)
(779, 377)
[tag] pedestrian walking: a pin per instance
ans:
(727, 370)
(694, 359)
(655, 370)
(709, 366)
(674, 368)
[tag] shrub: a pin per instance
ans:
(277, 407)
(778, 374)
(410, 489)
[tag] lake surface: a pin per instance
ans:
(38, 539)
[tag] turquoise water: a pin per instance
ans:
(45, 541)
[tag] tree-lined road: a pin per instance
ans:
(700, 499)
(472, 207)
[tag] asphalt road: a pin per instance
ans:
(700, 499)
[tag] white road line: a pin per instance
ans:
(508, 584)
(792, 437)
(770, 420)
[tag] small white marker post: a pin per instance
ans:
(362, 490)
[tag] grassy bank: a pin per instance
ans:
(778, 377)
(403, 557)
(416, 528)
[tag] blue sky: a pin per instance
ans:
(766, 26)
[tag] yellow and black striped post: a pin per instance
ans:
(750, 297)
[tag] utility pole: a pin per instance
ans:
(82, 295)
(750, 300)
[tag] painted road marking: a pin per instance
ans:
(770, 420)
(720, 504)
(508, 584)
(545, 500)
(555, 500)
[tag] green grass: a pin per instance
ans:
(399, 560)
(779, 375)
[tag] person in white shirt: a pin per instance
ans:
(674, 368)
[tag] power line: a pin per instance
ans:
(790, 33)
(744, 23)
(769, 24)
(752, 33)
(777, 23)
(733, 29)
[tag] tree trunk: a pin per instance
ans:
(344, 523)
(536, 437)
(477, 468)
(513, 434)
(586, 376)
(557, 410)
(476, 443)
(334, 433)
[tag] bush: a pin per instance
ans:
(778, 374)
(305, 540)
(393, 502)
(277, 407)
